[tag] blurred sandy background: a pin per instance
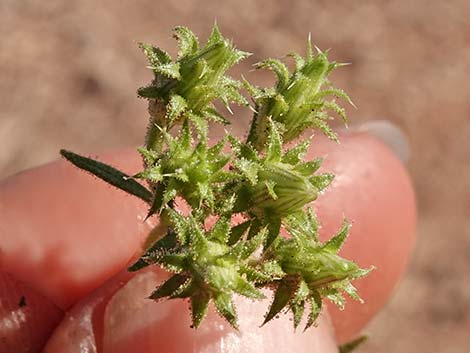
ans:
(69, 70)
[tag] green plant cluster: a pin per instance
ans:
(269, 187)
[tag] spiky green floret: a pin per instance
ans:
(192, 171)
(276, 184)
(312, 270)
(206, 267)
(299, 100)
(269, 186)
(186, 88)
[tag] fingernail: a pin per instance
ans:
(388, 133)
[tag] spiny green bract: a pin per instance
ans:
(194, 172)
(269, 187)
(298, 100)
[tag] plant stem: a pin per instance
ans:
(157, 122)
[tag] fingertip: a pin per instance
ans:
(129, 322)
(373, 190)
(54, 215)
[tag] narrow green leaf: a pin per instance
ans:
(270, 184)
(322, 181)
(170, 70)
(278, 68)
(299, 60)
(186, 290)
(151, 92)
(254, 228)
(149, 156)
(248, 152)
(303, 226)
(337, 298)
(325, 128)
(298, 302)
(350, 290)
(108, 174)
(315, 309)
(255, 91)
(274, 148)
(337, 109)
(215, 116)
(255, 276)
(169, 287)
(352, 345)
(224, 304)
(214, 151)
(155, 56)
(297, 153)
(168, 195)
(283, 294)
(175, 107)
(337, 241)
(244, 249)
(336, 92)
(173, 262)
(180, 225)
(185, 137)
(187, 41)
(152, 173)
(199, 304)
(274, 227)
(310, 167)
(245, 288)
(297, 309)
(220, 162)
(221, 230)
(156, 205)
(253, 244)
(152, 254)
(248, 169)
(215, 36)
(273, 269)
(237, 232)
(199, 123)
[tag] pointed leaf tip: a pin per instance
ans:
(337, 241)
(224, 304)
(199, 304)
(187, 40)
(169, 287)
(274, 148)
(108, 174)
(283, 294)
(352, 345)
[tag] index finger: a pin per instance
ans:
(64, 233)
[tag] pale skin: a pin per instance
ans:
(66, 238)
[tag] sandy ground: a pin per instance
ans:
(69, 70)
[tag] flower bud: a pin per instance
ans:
(281, 191)
(320, 268)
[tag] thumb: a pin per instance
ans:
(117, 318)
